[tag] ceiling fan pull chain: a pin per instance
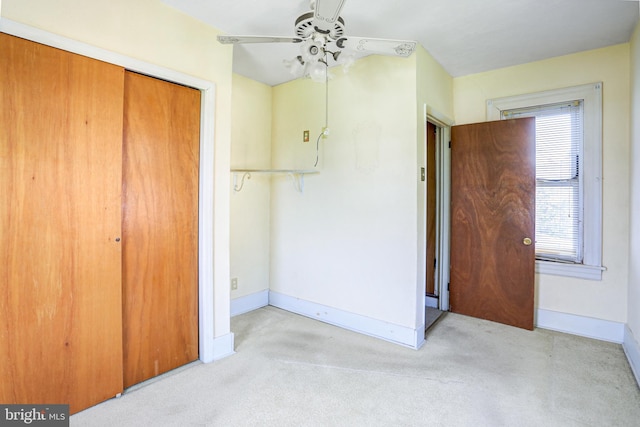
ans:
(325, 129)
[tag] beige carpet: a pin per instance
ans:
(294, 371)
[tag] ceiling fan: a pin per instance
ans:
(321, 36)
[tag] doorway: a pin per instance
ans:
(436, 181)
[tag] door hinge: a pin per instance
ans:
(449, 144)
(435, 263)
(448, 286)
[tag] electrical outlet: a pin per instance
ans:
(234, 284)
(305, 136)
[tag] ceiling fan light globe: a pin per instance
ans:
(295, 67)
(318, 72)
(348, 59)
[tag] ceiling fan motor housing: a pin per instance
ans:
(305, 27)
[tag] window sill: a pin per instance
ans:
(580, 271)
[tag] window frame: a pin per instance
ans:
(574, 182)
(591, 95)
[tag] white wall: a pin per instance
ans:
(606, 299)
(349, 241)
(250, 207)
(150, 31)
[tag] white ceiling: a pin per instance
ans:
(465, 36)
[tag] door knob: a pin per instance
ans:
(527, 241)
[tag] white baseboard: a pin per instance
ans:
(632, 350)
(409, 337)
(604, 330)
(249, 302)
(223, 346)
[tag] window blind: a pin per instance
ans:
(559, 207)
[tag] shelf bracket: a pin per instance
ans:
(297, 179)
(236, 187)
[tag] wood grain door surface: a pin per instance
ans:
(160, 226)
(431, 209)
(60, 217)
(492, 212)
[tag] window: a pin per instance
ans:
(559, 144)
(568, 176)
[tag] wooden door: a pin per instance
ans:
(160, 226)
(431, 209)
(492, 213)
(60, 174)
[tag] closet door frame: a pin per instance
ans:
(211, 299)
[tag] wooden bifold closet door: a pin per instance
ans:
(160, 226)
(99, 231)
(60, 218)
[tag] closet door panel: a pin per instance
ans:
(160, 226)
(60, 219)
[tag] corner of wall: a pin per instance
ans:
(249, 303)
(630, 344)
(223, 346)
(632, 350)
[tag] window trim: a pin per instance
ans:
(574, 181)
(591, 267)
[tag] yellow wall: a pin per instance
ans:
(435, 86)
(250, 124)
(634, 257)
(250, 210)
(299, 105)
(349, 241)
(153, 32)
(606, 299)
(434, 97)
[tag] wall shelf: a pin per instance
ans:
(296, 175)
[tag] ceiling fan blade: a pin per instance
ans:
(326, 13)
(365, 45)
(257, 39)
